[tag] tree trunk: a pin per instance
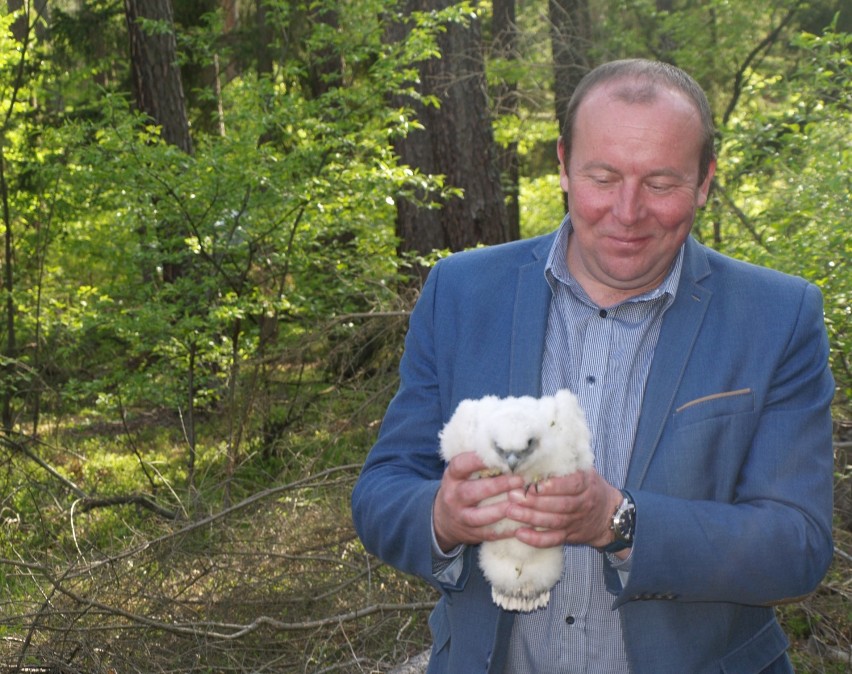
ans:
(10, 349)
(570, 36)
(157, 84)
(504, 28)
(22, 30)
(325, 65)
(158, 91)
(263, 45)
(457, 141)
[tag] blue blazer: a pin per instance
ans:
(731, 469)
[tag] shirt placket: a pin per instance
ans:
(591, 383)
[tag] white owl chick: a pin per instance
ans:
(533, 437)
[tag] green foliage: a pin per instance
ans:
(171, 265)
(788, 163)
(145, 276)
(541, 205)
(253, 289)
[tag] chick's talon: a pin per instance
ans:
(530, 485)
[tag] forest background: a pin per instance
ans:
(216, 216)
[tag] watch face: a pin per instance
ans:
(624, 522)
(623, 525)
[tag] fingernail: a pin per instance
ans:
(517, 496)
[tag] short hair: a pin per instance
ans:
(640, 80)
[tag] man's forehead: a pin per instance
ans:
(637, 92)
(632, 90)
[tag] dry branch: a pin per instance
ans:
(22, 448)
(229, 631)
(311, 480)
(142, 500)
(221, 590)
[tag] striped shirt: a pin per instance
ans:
(603, 355)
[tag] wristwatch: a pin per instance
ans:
(623, 524)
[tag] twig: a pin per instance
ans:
(130, 441)
(371, 314)
(90, 503)
(764, 44)
(278, 625)
(341, 665)
(237, 631)
(6, 440)
(740, 215)
(267, 493)
(843, 555)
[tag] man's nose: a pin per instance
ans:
(628, 206)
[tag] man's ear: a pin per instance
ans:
(704, 187)
(563, 164)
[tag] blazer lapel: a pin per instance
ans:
(529, 324)
(681, 325)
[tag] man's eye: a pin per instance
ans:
(660, 187)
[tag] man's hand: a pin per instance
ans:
(575, 509)
(457, 515)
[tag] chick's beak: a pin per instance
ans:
(513, 459)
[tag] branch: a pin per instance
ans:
(843, 555)
(741, 216)
(143, 500)
(765, 43)
(242, 630)
(310, 480)
(371, 314)
(17, 446)
(231, 632)
(132, 443)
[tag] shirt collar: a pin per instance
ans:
(556, 271)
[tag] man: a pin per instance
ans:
(706, 387)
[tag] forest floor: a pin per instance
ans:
(275, 582)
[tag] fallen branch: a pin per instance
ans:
(817, 647)
(242, 630)
(232, 632)
(843, 555)
(142, 500)
(309, 481)
(415, 665)
(20, 447)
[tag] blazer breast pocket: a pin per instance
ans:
(708, 446)
(713, 406)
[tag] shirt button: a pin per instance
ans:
(602, 313)
(590, 380)
(570, 620)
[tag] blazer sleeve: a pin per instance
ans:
(460, 344)
(736, 505)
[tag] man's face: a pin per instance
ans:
(633, 191)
